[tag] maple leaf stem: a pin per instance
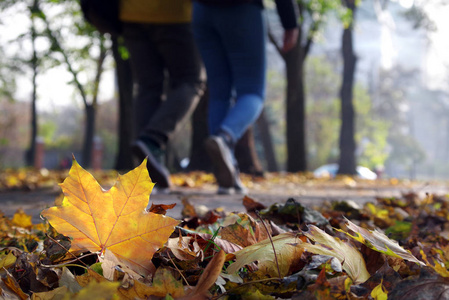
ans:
(176, 267)
(272, 244)
(74, 256)
(69, 263)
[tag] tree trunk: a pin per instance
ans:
(31, 152)
(199, 160)
(125, 103)
(246, 155)
(347, 163)
(295, 101)
(90, 111)
(89, 132)
(267, 142)
(295, 110)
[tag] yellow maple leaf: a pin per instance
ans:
(116, 219)
(21, 219)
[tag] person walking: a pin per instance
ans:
(167, 72)
(231, 36)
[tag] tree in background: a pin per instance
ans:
(7, 77)
(12, 124)
(271, 127)
(8, 117)
(125, 99)
(396, 92)
(312, 14)
(86, 56)
(372, 131)
(392, 102)
(347, 162)
(324, 119)
(70, 42)
(323, 109)
(33, 62)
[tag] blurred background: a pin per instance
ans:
(60, 89)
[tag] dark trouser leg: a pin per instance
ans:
(177, 48)
(148, 73)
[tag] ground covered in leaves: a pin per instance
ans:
(97, 244)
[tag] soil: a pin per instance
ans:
(266, 192)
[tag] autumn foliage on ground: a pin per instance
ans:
(104, 244)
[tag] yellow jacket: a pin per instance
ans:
(156, 11)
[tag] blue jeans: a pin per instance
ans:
(231, 40)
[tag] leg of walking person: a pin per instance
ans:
(219, 80)
(157, 52)
(178, 50)
(148, 72)
(232, 44)
(148, 75)
(245, 44)
(246, 50)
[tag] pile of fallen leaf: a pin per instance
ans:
(98, 244)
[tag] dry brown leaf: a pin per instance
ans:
(245, 231)
(252, 205)
(180, 247)
(350, 258)
(286, 252)
(164, 283)
(378, 241)
(160, 209)
(57, 293)
(12, 284)
(208, 277)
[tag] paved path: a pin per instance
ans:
(267, 193)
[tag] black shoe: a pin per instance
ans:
(158, 172)
(222, 159)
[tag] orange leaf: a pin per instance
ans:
(252, 205)
(209, 275)
(188, 210)
(116, 219)
(238, 235)
(160, 209)
(13, 285)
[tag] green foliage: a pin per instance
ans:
(406, 150)
(7, 78)
(274, 110)
(47, 131)
(392, 104)
(371, 133)
(323, 129)
(323, 122)
(317, 12)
